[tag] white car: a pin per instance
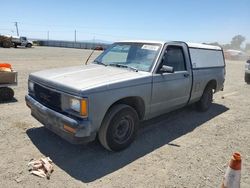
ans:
(235, 55)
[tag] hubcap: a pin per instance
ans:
(123, 130)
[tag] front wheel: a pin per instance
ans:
(6, 94)
(119, 127)
(29, 45)
(206, 100)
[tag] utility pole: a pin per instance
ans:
(75, 36)
(16, 28)
(48, 35)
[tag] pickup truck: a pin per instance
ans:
(129, 82)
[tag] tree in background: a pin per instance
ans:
(237, 41)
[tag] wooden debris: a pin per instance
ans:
(42, 167)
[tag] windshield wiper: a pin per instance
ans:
(123, 66)
(100, 63)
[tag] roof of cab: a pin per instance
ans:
(190, 45)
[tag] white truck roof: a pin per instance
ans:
(190, 44)
(203, 46)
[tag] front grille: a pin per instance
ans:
(47, 97)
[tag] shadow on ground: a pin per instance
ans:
(9, 101)
(91, 162)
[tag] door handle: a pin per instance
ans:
(186, 75)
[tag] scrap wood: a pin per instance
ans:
(42, 167)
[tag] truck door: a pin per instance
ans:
(23, 41)
(171, 90)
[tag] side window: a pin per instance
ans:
(174, 57)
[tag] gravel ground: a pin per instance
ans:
(181, 149)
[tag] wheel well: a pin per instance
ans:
(213, 84)
(135, 102)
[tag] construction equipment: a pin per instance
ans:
(8, 78)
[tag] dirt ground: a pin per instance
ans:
(181, 149)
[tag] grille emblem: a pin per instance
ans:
(45, 97)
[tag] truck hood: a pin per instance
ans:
(89, 78)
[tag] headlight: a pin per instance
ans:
(31, 86)
(79, 105)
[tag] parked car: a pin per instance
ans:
(21, 41)
(99, 48)
(129, 82)
(247, 72)
(235, 55)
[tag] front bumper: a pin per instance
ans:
(55, 122)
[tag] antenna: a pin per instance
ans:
(89, 56)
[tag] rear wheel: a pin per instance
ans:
(206, 99)
(6, 94)
(119, 127)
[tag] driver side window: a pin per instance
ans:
(174, 57)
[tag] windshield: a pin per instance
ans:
(138, 56)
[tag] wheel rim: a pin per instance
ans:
(123, 130)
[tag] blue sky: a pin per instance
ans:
(188, 20)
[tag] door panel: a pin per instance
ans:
(170, 90)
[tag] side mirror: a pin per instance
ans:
(248, 61)
(167, 69)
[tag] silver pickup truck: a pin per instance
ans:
(129, 82)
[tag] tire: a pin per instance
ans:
(206, 99)
(6, 94)
(119, 127)
(247, 78)
(28, 45)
